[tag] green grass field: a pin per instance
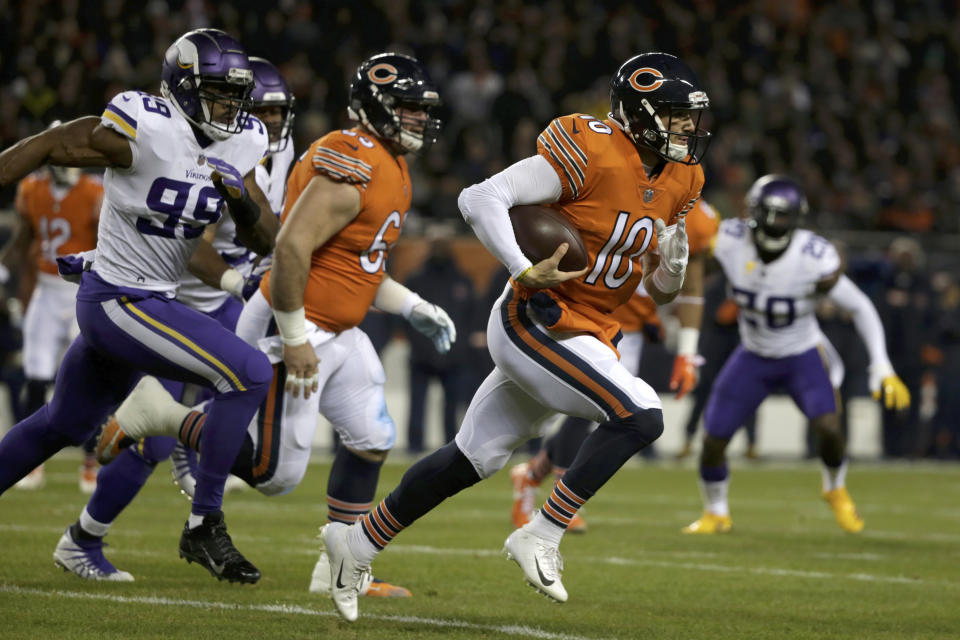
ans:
(787, 570)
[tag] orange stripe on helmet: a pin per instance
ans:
(646, 87)
(382, 73)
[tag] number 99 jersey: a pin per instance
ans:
(346, 271)
(609, 198)
(155, 211)
(777, 299)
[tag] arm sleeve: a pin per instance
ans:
(485, 206)
(846, 295)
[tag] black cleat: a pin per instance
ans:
(210, 546)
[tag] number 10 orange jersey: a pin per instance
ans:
(346, 271)
(608, 196)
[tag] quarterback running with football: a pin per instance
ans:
(348, 195)
(776, 272)
(172, 163)
(550, 333)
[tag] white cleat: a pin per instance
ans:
(320, 580)
(540, 561)
(150, 410)
(86, 560)
(347, 574)
(33, 481)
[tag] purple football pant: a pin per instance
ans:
(119, 482)
(746, 379)
(124, 332)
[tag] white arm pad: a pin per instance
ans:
(484, 206)
(393, 297)
(849, 297)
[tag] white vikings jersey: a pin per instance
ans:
(196, 294)
(776, 300)
(273, 180)
(155, 211)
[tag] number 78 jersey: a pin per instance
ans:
(608, 197)
(777, 299)
(346, 271)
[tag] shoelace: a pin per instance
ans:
(550, 559)
(224, 543)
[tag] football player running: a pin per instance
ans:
(172, 162)
(776, 271)
(638, 318)
(550, 333)
(59, 208)
(347, 198)
(220, 260)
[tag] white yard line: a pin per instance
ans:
(292, 609)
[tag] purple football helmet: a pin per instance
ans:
(205, 68)
(776, 205)
(270, 90)
(390, 81)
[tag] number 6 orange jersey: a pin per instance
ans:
(609, 198)
(346, 271)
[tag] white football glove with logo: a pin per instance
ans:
(433, 322)
(674, 254)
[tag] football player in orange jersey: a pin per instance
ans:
(347, 196)
(638, 318)
(59, 209)
(626, 183)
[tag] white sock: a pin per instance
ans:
(91, 526)
(543, 528)
(194, 520)
(715, 496)
(360, 545)
(834, 477)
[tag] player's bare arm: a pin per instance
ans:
(79, 143)
(205, 263)
(323, 209)
(248, 206)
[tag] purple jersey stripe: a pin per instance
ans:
(130, 121)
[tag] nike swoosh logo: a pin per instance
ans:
(543, 578)
(340, 584)
(351, 146)
(575, 130)
(125, 98)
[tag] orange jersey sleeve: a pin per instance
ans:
(609, 198)
(63, 221)
(346, 271)
(702, 225)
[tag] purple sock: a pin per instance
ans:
(714, 474)
(228, 417)
(117, 485)
(26, 445)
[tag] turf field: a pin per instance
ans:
(787, 571)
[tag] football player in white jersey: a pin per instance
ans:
(171, 163)
(224, 277)
(776, 271)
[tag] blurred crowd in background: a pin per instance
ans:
(856, 99)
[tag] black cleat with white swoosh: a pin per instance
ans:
(210, 546)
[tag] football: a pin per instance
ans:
(540, 230)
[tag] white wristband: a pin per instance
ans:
(292, 326)
(232, 282)
(667, 282)
(687, 340)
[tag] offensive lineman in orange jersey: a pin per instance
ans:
(621, 182)
(637, 317)
(60, 208)
(347, 197)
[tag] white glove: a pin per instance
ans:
(673, 247)
(433, 322)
